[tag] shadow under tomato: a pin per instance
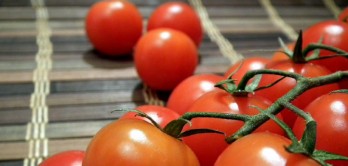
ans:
(100, 60)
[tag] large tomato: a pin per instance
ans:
(138, 143)
(245, 65)
(208, 146)
(164, 57)
(161, 115)
(66, 158)
(114, 26)
(333, 33)
(197, 85)
(285, 85)
(178, 16)
(266, 149)
(330, 111)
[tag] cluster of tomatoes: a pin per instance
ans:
(166, 56)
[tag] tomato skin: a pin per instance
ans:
(343, 16)
(161, 115)
(330, 111)
(65, 158)
(114, 26)
(280, 56)
(282, 87)
(164, 57)
(252, 63)
(334, 33)
(136, 143)
(263, 148)
(178, 16)
(208, 146)
(197, 85)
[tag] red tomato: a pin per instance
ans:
(197, 85)
(113, 26)
(285, 85)
(343, 16)
(164, 57)
(334, 33)
(161, 115)
(178, 16)
(280, 56)
(135, 142)
(330, 111)
(66, 158)
(252, 63)
(209, 146)
(266, 149)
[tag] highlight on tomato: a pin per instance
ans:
(65, 158)
(161, 115)
(330, 111)
(164, 57)
(179, 16)
(208, 146)
(190, 89)
(136, 142)
(262, 148)
(113, 27)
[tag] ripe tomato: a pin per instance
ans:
(164, 57)
(264, 148)
(197, 85)
(285, 85)
(330, 111)
(252, 63)
(136, 142)
(178, 16)
(161, 115)
(333, 33)
(208, 146)
(113, 26)
(66, 158)
(279, 56)
(343, 16)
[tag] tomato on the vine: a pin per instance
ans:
(279, 55)
(65, 158)
(164, 57)
(240, 68)
(286, 84)
(114, 26)
(136, 142)
(178, 16)
(208, 146)
(263, 148)
(330, 111)
(197, 85)
(161, 115)
(343, 16)
(333, 33)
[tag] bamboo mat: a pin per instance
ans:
(56, 92)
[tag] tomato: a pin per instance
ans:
(178, 16)
(266, 149)
(279, 55)
(330, 111)
(161, 115)
(343, 16)
(208, 146)
(197, 85)
(65, 158)
(113, 26)
(164, 57)
(285, 85)
(136, 143)
(252, 63)
(333, 33)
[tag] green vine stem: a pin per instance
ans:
(303, 84)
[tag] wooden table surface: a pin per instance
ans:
(56, 92)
